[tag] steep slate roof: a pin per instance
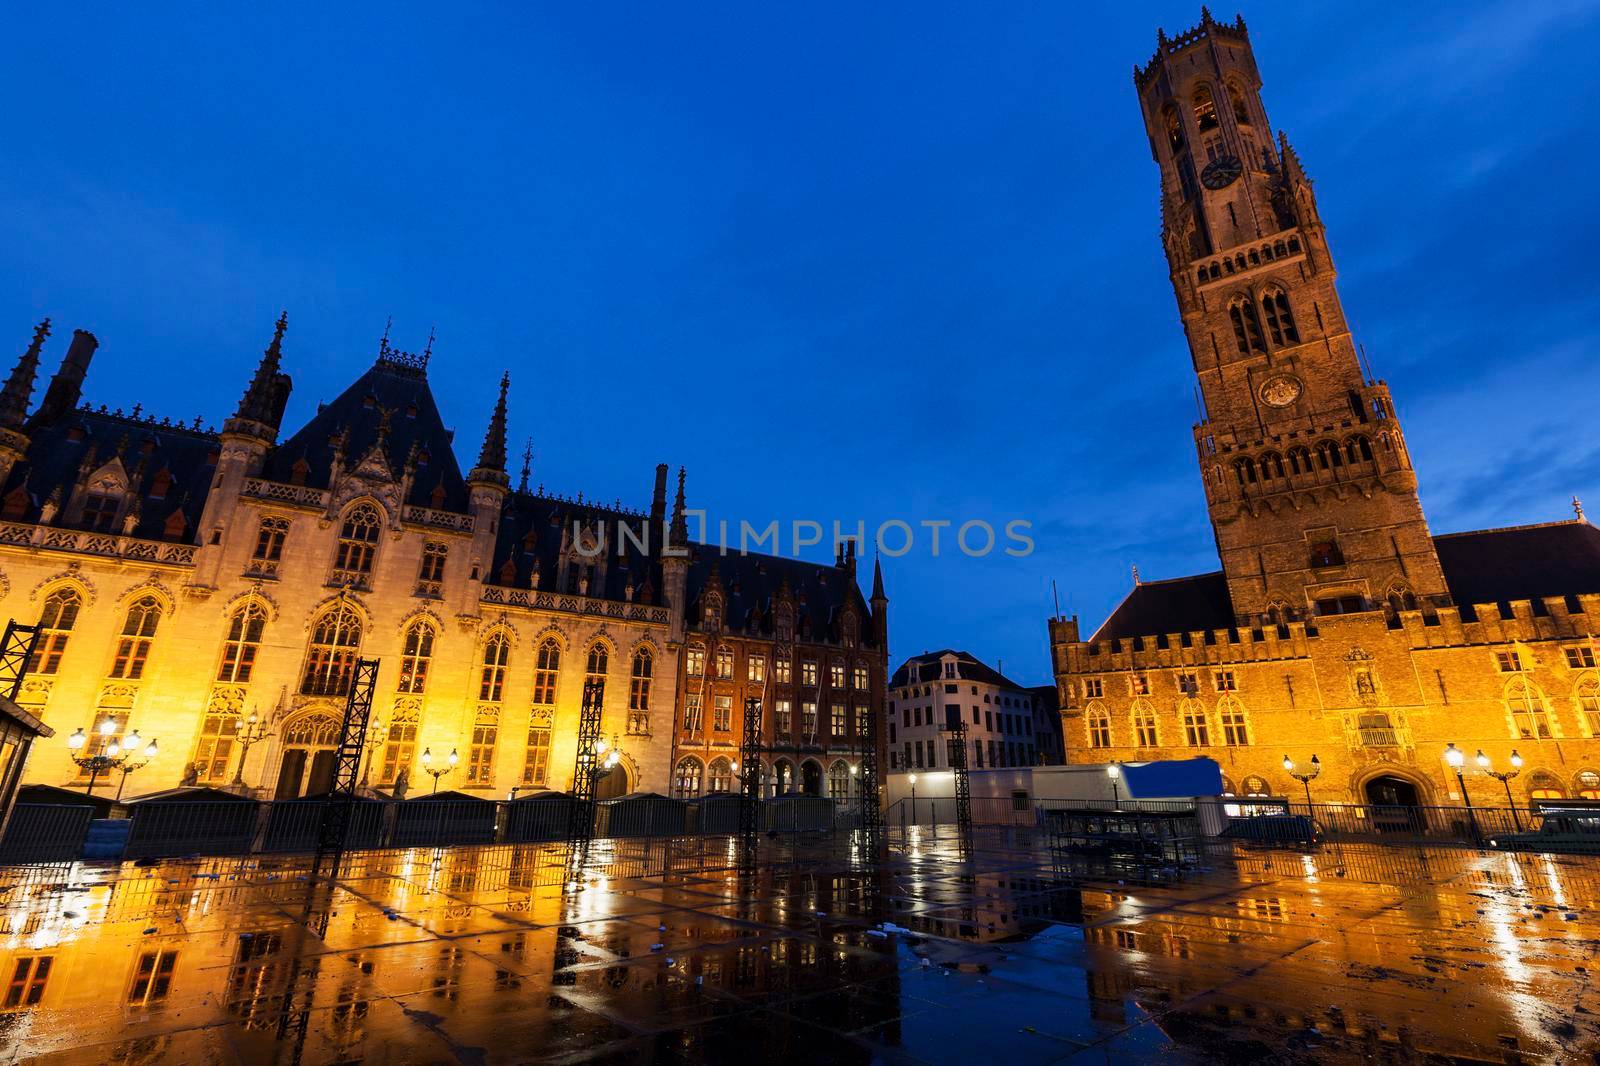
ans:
(926, 667)
(1520, 563)
(57, 453)
(413, 419)
(750, 585)
(531, 528)
(1480, 566)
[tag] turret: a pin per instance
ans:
(487, 487)
(66, 387)
(14, 399)
(880, 605)
(675, 565)
(658, 498)
(490, 469)
(261, 406)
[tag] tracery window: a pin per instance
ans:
(133, 646)
(1099, 725)
(242, 643)
(416, 657)
(331, 655)
(56, 619)
(546, 669)
(496, 658)
(1528, 714)
(358, 541)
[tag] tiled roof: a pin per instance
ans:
(926, 667)
(751, 583)
(1177, 605)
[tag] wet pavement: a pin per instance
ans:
(666, 951)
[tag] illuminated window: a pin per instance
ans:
(1205, 110)
(720, 775)
(331, 656)
(1588, 697)
(862, 678)
(1099, 724)
(1144, 725)
(599, 660)
(29, 973)
(686, 778)
(214, 748)
(56, 620)
(242, 643)
(1196, 727)
(1235, 731)
(722, 713)
(1528, 714)
(757, 667)
(808, 673)
(692, 713)
(416, 658)
(536, 763)
(133, 646)
(836, 674)
(785, 717)
(838, 724)
(808, 718)
(496, 657)
(547, 666)
(695, 661)
(782, 670)
(1588, 783)
(401, 744)
(724, 664)
(839, 782)
(152, 979)
(639, 692)
(480, 754)
(358, 541)
(1544, 786)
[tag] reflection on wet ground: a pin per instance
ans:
(666, 951)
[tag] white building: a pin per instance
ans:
(932, 690)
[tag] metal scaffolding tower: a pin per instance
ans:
(957, 742)
(341, 801)
(871, 812)
(16, 656)
(580, 822)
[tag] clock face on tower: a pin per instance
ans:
(1221, 172)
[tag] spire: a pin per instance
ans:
(18, 391)
(1292, 170)
(260, 401)
(527, 466)
(680, 521)
(877, 578)
(491, 465)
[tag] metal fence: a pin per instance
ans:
(59, 832)
(1539, 828)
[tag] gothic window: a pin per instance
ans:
(100, 512)
(724, 660)
(1205, 109)
(861, 679)
(1326, 553)
(1145, 732)
(1246, 326)
(480, 754)
(836, 674)
(214, 750)
(270, 535)
(686, 778)
(358, 541)
(496, 657)
(720, 775)
(1169, 119)
(692, 720)
(785, 624)
(133, 646)
(331, 656)
(1241, 114)
(1245, 469)
(1528, 714)
(722, 713)
(1587, 783)
(1543, 785)
(430, 576)
(1196, 727)
(639, 692)
(1235, 731)
(416, 657)
(1271, 465)
(695, 661)
(547, 666)
(536, 760)
(839, 781)
(1300, 461)
(1588, 698)
(56, 620)
(599, 658)
(1099, 726)
(1280, 320)
(401, 744)
(808, 673)
(1400, 598)
(1358, 449)
(1329, 457)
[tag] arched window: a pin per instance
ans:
(1376, 730)
(599, 658)
(358, 541)
(1241, 114)
(547, 667)
(401, 744)
(639, 692)
(536, 759)
(242, 643)
(721, 775)
(133, 646)
(1196, 726)
(1329, 457)
(1235, 729)
(1205, 109)
(496, 657)
(1280, 320)
(1529, 718)
(1544, 786)
(1587, 694)
(480, 753)
(1587, 784)
(1300, 460)
(56, 620)
(1255, 785)
(213, 751)
(416, 657)
(1145, 733)
(1271, 465)
(686, 778)
(1279, 613)
(1169, 119)
(1099, 726)
(1245, 469)
(1400, 598)
(1246, 326)
(331, 656)
(1326, 553)
(839, 782)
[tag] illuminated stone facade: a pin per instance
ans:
(1338, 626)
(188, 579)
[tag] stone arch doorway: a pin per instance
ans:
(1396, 803)
(306, 766)
(811, 778)
(613, 784)
(782, 777)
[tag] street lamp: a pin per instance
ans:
(1504, 777)
(1305, 778)
(1114, 771)
(427, 757)
(253, 732)
(912, 778)
(129, 748)
(113, 754)
(1457, 759)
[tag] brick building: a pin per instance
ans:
(1339, 625)
(189, 579)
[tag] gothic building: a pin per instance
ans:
(1339, 626)
(213, 590)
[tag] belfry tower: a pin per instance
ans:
(1311, 492)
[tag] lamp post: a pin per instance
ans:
(912, 778)
(427, 757)
(1457, 758)
(1114, 771)
(370, 742)
(607, 755)
(1305, 778)
(113, 756)
(253, 732)
(1504, 777)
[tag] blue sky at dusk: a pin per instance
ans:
(840, 260)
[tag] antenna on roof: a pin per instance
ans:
(1371, 377)
(1055, 595)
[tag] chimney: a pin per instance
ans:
(658, 499)
(66, 387)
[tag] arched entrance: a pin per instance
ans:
(811, 778)
(306, 768)
(782, 777)
(1396, 804)
(613, 784)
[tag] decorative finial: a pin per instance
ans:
(1136, 575)
(427, 353)
(1577, 508)
(527, 465)
(383, 342)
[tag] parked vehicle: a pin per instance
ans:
(1274, 829)
(1569, 829)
